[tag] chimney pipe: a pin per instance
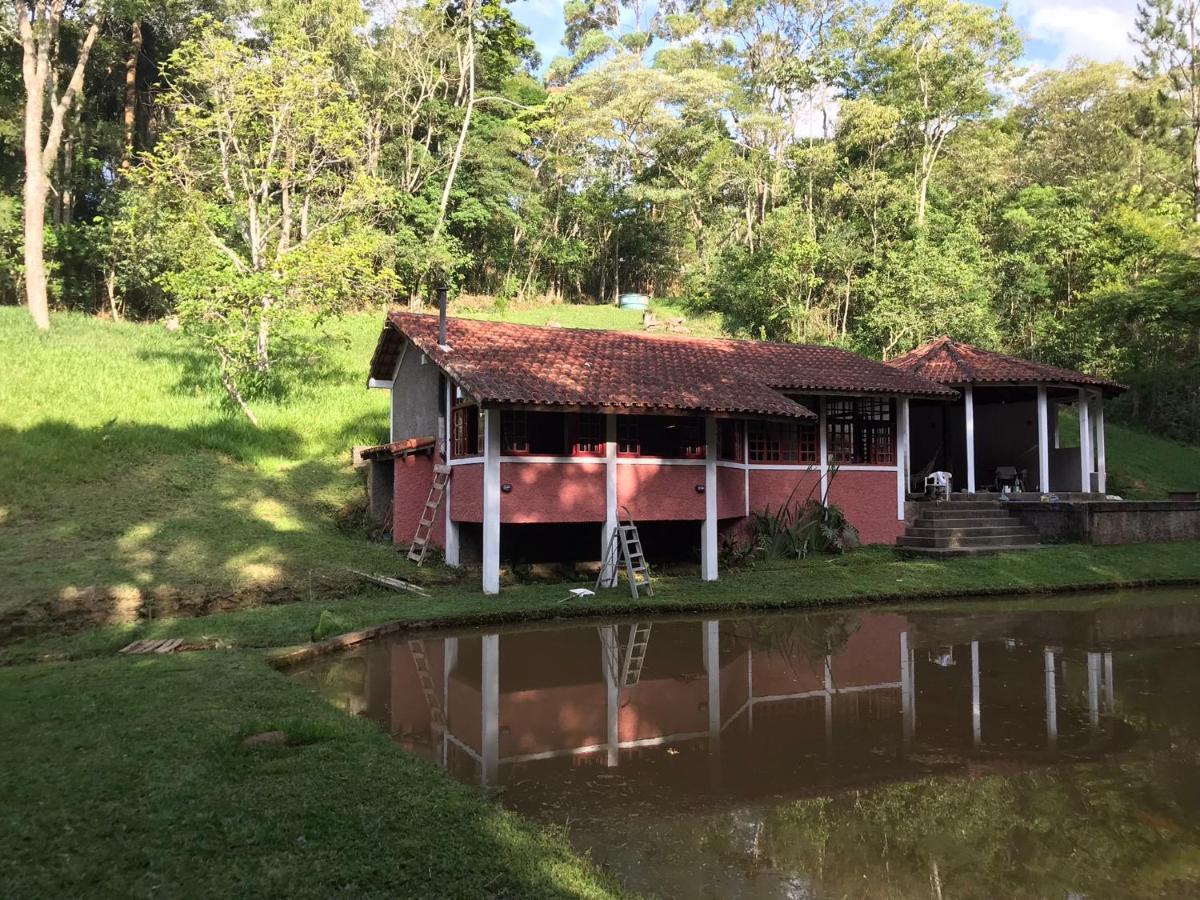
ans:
(441, 301)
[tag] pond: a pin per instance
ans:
(1044, 747)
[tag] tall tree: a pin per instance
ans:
(1166, 34)
(39, 30)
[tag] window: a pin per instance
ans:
(861, 430)
(629, 441)
(730, 439)
(464, 431)
(588, 439)
(514, 432)
(794, 443)
(661, 437)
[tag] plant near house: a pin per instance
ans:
(796, 530)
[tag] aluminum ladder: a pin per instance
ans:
(421, 661)
(635, 654)
(420, 541)
(625, 547)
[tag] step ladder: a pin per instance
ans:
(420, 541)
(421, 661)
(635, 654)
(625, 547)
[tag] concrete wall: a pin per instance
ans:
(731, 492)
(414, 397)
(656, 493)
(552, 492)
(869, 501)
(410, 491)
(1112, 521)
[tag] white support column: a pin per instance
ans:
(823, 445)
(902, 456)
(746, 461)
(611, 509)
(608, 661)
(1051, 700)
(452, 549)
(828, 706)
(710, 647)
(491, 501)
(1094, 663)
(1043, 418)
(969, 407)
(908, 711)
(1110, 695)
(1085, 443)
(449, 661)
(708, 531)
(1057, 437)
(489, 749)
(1101, 464)
(976, 708)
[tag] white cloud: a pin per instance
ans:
(1058, 31)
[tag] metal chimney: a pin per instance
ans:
(441, 301)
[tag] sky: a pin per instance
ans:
(1053, 31)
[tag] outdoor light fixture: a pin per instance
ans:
(506, 488)
(699, 489)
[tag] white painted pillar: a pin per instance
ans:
(1051, 700)
(711, 645)
(452, 549)
(1053, 410)
(823, 446)
(612, 675)
(491, 501)
(969, 406)
(1110, 698)
(1085, 443)
(828, 706)
(708, 531)
(976, 708)
(1043, 418)
(449, 661)
(746, 461)
(1094, 664)
(902, 455)
(1101, 464)
(608, 577)
(489, 749)
(908, 712)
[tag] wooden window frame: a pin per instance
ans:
(460, 431)
(861, 431)
(514, 432)
(582, 444)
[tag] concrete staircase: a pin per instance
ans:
(965, 527)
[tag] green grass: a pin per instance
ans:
(126, 777)
(569, 315)
(1141, 466)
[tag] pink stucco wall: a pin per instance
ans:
(771, 488)
(553, 492)
(869, 501)
(657, 493)
(410, 490)
(731, 492)
(466, 493)
(872, 655)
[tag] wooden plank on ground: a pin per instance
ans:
(396, 584)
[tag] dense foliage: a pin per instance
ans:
(818, 170)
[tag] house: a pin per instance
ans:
(1006, 415)
(553, 435)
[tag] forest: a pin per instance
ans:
(832, 171)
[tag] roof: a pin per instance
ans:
(503, 363)
(952, 362)
(399, 448)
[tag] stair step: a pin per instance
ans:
(973, 530)
(991, 512)
(1027, 539)
(946, 552)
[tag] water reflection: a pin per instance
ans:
(652, 739)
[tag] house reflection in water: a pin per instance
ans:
(769, 705)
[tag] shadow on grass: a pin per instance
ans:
(128, 521)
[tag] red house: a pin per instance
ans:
(552, 435)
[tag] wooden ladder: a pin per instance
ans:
(625, 546)
(421, 661)
(420, 541)
(635, 654)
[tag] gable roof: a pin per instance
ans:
(498, 362)
(952, 362)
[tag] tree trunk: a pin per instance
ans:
(469, 105)
(130, 114)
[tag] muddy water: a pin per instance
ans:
(1043, 748)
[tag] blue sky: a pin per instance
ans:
(1053, 31)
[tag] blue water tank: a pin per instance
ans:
(634, 301)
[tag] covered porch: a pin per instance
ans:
(1005, 433)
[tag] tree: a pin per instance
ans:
(938, 62)
(265, 165)
(1170, 46)
(39, 30)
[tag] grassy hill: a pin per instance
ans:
(129, 491)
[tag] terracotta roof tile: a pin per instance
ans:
(951, 362)
(521, 364)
